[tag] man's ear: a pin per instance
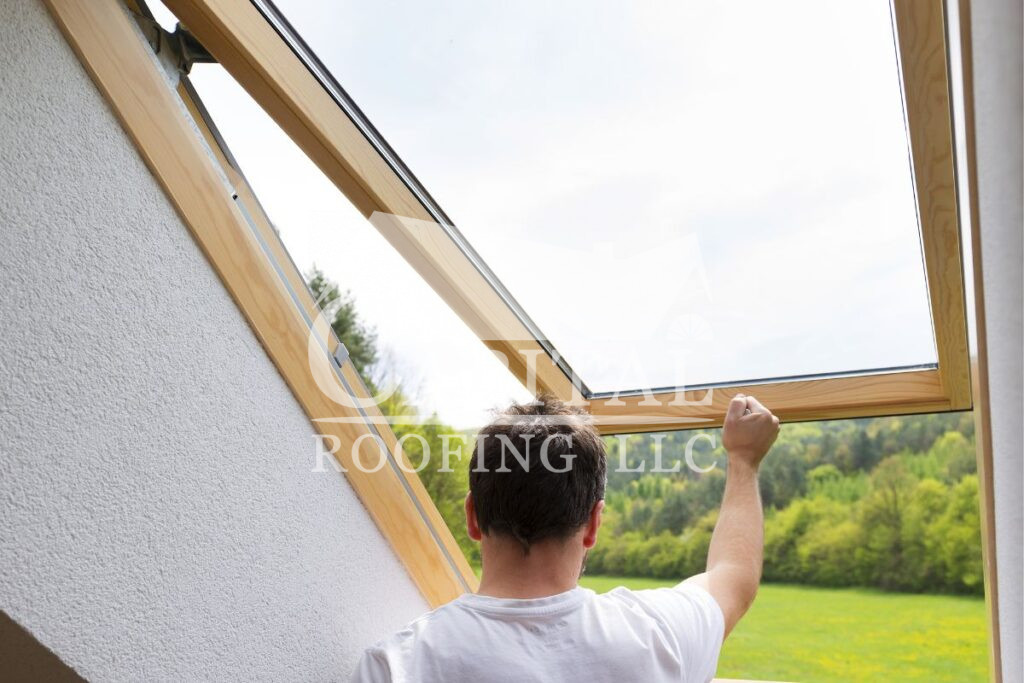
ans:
(593, 524)
(472, 528)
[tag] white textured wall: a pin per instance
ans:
(996, 27)
(159, 517)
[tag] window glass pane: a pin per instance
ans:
(677, 193)
(439, 363)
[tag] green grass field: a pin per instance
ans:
(798, 633)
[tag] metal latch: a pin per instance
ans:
(340, 354)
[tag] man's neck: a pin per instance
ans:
(551, 567)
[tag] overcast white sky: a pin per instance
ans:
(676, 192)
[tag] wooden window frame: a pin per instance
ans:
(219, 209)
(260, 50)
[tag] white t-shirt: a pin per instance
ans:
(665, 634)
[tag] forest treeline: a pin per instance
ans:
(885, 502)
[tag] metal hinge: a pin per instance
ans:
(181, 45)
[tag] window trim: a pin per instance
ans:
(252, 48)
(120, 62)
(924, 59)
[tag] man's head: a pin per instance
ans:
(537, 474)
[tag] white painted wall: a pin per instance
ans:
(996, 27)
(159, 517)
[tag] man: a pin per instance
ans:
(536, 494)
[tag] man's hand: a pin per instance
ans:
(749, 430)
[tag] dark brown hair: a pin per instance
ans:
(537, 472)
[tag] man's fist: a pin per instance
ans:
(749, 431)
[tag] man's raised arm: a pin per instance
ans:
(737, 545)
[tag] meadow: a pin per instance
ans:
(800, 633)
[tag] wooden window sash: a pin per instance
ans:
(125, 70)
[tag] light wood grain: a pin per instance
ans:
(818, 399)
(121, 65)
(920, 31)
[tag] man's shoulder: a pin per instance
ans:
(686, 588)
(667, 605)
(418, 627)
(389, 658)
(622, 594)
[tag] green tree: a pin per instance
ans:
(783, 475)
(924, 567)
(956, 454)
(782, 533)
(882, 520)
(359, 338)
(865, 451)
(958, 535)
(827, 551)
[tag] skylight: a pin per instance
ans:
(676, 194)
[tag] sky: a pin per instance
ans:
(676, 192)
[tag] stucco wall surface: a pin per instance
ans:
(160, 519)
